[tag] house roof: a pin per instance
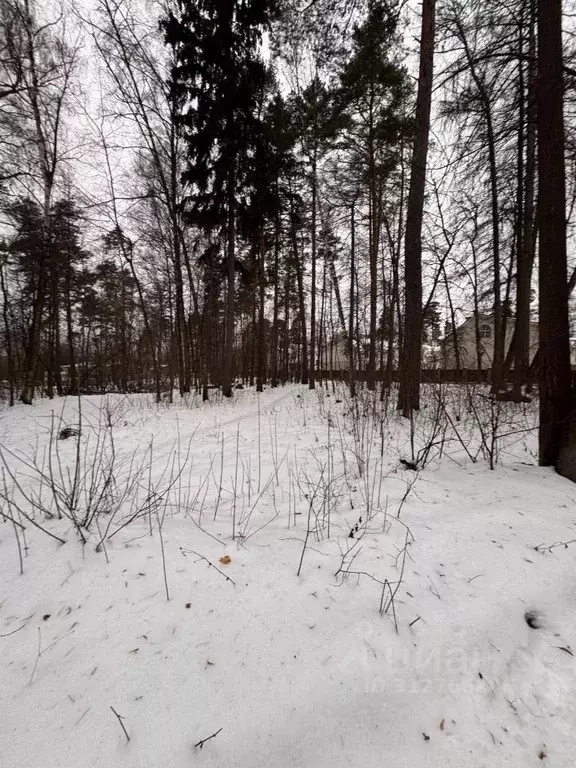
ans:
(487, 317)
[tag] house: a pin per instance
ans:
(474, 344)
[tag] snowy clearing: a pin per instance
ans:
(327, 606)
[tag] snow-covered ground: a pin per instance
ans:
(327, 605)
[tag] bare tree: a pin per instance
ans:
(38, 62)
(128, 46)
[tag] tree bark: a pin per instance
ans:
(7, 332)
(409, 395)
(301, 300)
(526, 234)
(373, 227)
(231, 267)
(351, 361)
(275, 309)
(555, 375)
(261, 340)
(311, 380)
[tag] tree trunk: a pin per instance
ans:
(526, 235)
(555, 384)
(498, 356)
(351, 361)
(261, 339)
(231, 267)
(47, 171)
(73, 382)
(322, 334)
(275, 309)
(301, 300)
(56, 347)
(182, 341)
(311, 381)
(373, 227)
(7, 333)
(286, 339)
(409, 395)
(337, 294)
(33, 343)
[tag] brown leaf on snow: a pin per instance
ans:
(442, 724)
(225, 560)
(542, 755)
(46, 617)
(188, 605)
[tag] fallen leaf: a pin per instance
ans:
(46, 616)
(225, 560)
(442, 724)
(542, 755)
(188, 605)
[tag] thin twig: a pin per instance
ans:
(120, 718)
(550, 547)
(201, 557)
(38, 654)
(203, 741)
(14, 631)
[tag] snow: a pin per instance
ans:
(296, 670)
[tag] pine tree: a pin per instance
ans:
(261, 217)
(375, 88)
(31, 256)
(319, 119)
(280, 135)
(220, 74)
(409, 394)
(70, 256)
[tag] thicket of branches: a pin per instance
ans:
(199, 192)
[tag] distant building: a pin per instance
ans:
(475, 343)
(338, 353)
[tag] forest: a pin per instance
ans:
(271, 190)
(287, 383)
